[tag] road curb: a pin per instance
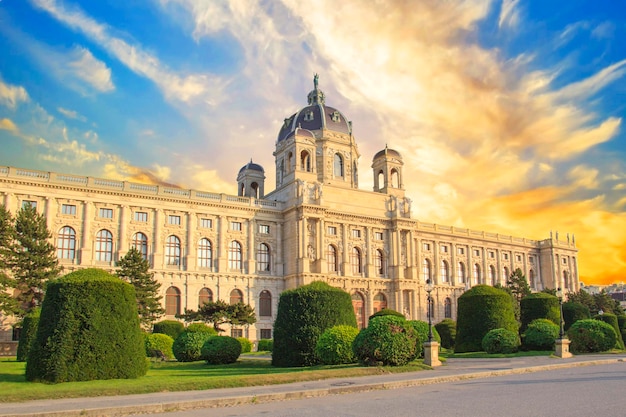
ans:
(230, 401)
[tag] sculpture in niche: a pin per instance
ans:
(311, 252)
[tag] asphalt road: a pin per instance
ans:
(572, 392)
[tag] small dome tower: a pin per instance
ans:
(251, 181)
(387, 165)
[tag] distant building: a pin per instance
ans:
(316, 225)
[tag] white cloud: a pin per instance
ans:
(7, 124)
(509, 14)
(71, 114)
(605, 30)
(85, 66)
(11, 95)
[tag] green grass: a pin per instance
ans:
(175, 376)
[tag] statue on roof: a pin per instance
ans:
(316, 79)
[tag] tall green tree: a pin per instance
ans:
(518, 284)
(133, 268)
(219, 312)
(33, 261)
(8, 303)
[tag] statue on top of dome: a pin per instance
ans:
(316, 79)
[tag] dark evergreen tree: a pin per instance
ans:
(33, 261)
(219, 312)
(8, 303)
(134, 270)
(518, 284)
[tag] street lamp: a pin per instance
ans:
(559, 293)
(429, 288)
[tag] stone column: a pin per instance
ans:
(431, 354)
(192, 225)
(122, 247)
(85, 250)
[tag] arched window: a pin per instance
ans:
(205, 296)
(66, 243)
(356, 261)
(172, 250)
(263, 258)
(305, 161)
(265, 304)
(395, 179)
(445, 272)
(507, 274)
(104, 246)
(380, 302)
(477, 278)
(331, 258)
(380, 262)
(492, 274)
(205, 253)
(236, 296)
(447, 307)
(338, 166)
(358, 304)
(255, 190)
(234, 255)
(355, 174)
(426, 269)
(380, 179)
(531, 278)
(140, 243)
(172, 301)
(461, 272)
(289, 162)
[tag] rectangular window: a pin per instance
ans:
(206, 223)
(264, 229)
(426, 246)
(266, 333)
(106, 213)
(476, 252)
(378, 235)
(460, 251)
(492, 254)
(141, 216)
(356, 233)
(27, 203)
(171, 219)
(564, 261)
(68, 209)
(518, 258)
(332, 230)
(235, 226)
(444, 248)
(505, 256)
(531, 259)
(236, 333)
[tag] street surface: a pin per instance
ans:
(573, 392)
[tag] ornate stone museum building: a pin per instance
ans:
(316, 225)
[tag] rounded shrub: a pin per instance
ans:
(386, 312)
(246, 344)
(89, 329)
(447, 331)
(202, 328)
(574, 311)
(28, 333)
(304, 313)
(540, 335)
(334, 346)
(265, 345)
(219, 350)
(172, 328)
(159, 342)
(188, 346)
(539, 305)
(388, 340)
(611, 319)
(500, 341)
(589, 335)
(421, 328)
(481, 309)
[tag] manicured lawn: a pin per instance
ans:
(175, 376)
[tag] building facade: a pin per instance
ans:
(315, 225)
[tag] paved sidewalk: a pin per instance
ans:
(452, 370)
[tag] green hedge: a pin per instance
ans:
(303, 315)
(500, 341)
(421, 327)
(540, 335)
(447, 331)
(539, 305)
(172, 328)
(188, 346)
(481, 309)
(386, 312)
(611, 319)
(246, 344)
(159, 342)
(574, 311)
(388, 340)
(89, 329)
(334, 346)
(265, 345)
(202, 328)
(588, 336)
(28, 334)
(219, 350)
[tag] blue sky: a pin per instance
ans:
(509, 114)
